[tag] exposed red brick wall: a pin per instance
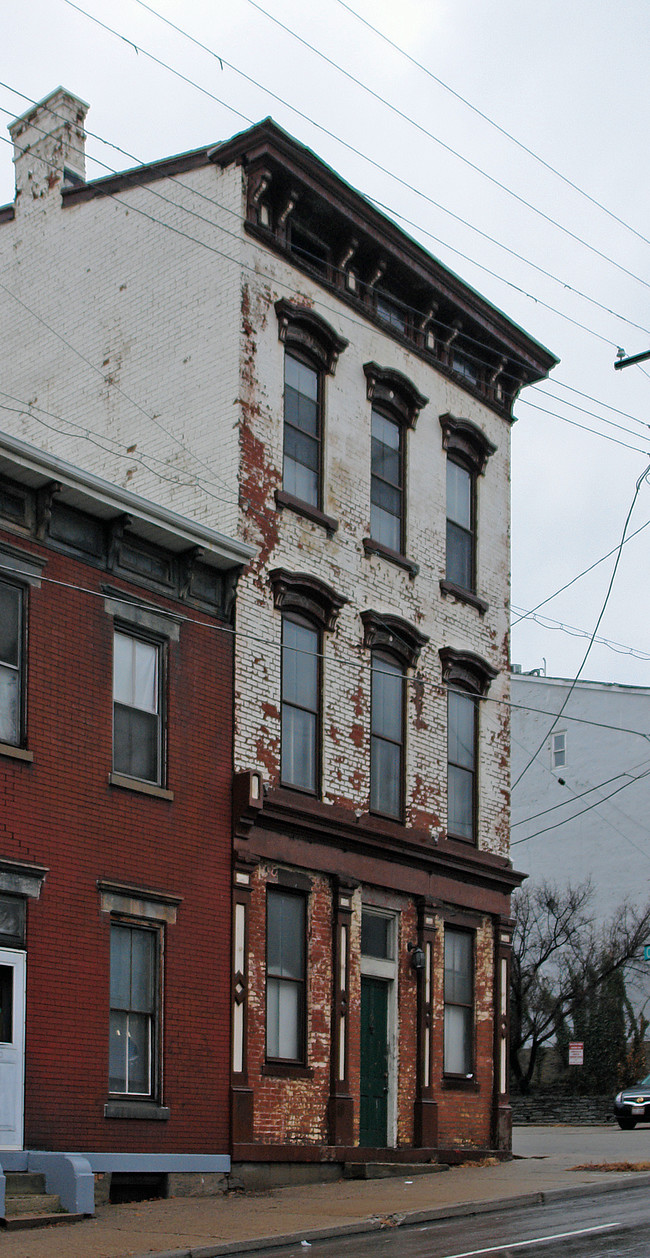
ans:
(61, 812)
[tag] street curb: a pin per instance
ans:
(266, 1244)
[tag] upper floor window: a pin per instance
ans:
(137, 707)
(285, 976)
(460, 525)
(459, 1003)
(468, 678)
(462, 731)
(312, 348)
(134, 1010)
(395, 646)
(468, 450)
(301, 701)
(309, 607)
(11, 663)
(395, 406)
(558, 749)
(387, 483)
(302, 430)
(387, 736)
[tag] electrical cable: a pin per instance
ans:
(558, 625)
(584, 427)
(306, 118)
(491, 122)
(389, 210)
(581, 813)
(578, 577)
(637, 490)
(393, 108)
(544, 812)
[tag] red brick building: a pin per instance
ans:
(116, 653)
(345, 403)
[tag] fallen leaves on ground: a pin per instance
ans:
(611, 1166)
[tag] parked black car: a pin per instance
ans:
(632, 1105)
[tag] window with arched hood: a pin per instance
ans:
(395, 646)
(467, 678)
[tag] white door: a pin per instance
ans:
(12, 1048)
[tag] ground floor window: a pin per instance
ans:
(134, 1011)
(285, 976)
(459, 1003)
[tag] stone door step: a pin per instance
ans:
(390, 1170)
(17, 1221)
(31, 1203)
(24, 1183)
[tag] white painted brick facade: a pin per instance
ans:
(150, 355)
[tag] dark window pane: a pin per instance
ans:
(142, 971)
(375, 936)
(120, 967)
(133, 1010)
(460, 802)
(460, 556)
(10, 601)
(283, 1020)
(9, 705)
(462, 729)
(301, 430)
(386, 482)
(458, 1040)
(135, 743)
(458, 967)
(385, 777)
(298, 748)
(387, 699)
(285, 935)
(299, 447)
(117, 1051)
(6, 1003)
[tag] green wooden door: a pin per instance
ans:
(374, 1063)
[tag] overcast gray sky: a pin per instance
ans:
(569, 82)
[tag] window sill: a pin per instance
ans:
(286, 1070)
(16, 753)
(141, 788)
(459, 838)
(460, 1083)
(372, 547)
(305, 509)
(464, 596)
(147, 1110)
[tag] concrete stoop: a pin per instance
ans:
(390, 1170)
(27, 1204)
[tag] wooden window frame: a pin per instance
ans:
(160, 646)
(461, 1078)
(383, 656)
(20, 668)
(288, 1065)
(155, 1024)
(317, 712)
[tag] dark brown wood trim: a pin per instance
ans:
(371, 547)
(7, 213)
(464, 596)
(136, 175)
(454, 1083)
(286, 1070)
(305, 509)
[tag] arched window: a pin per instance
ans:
(467, 677)
(395, 646)
(396, 404)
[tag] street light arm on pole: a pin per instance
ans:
(629, 362)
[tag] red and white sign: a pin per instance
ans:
(576, 1053)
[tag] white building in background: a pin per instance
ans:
(582, 808)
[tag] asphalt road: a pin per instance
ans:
(608, 1225)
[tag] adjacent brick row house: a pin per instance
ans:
(116, 652)
(248, 341)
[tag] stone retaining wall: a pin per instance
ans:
(573, 1110)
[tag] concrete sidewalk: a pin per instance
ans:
(203, 1227)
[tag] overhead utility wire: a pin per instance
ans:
(411, 121)
(365, 665)
(581, 813)
(558, 626)
(390, 210)
(319, 126)
(611, 423)
(341, 313)
(98, 371)
(583, 427)
(615, 409)
(578, 577)
(544, 812)
(491, 122)
(574, 683)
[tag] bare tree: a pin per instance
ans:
(561, 956)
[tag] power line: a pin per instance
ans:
(393, 108)
(578, 577)
(491, 122)
(338, 270)
(534, 816)
(548, 622)
(581, 813)
(595, 631)
(584, 427)
(319, 126)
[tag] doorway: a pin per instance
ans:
(373, 1108)
(12, 1048)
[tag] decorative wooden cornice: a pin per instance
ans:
(395, 392)
(382, 631)
(463, 668)
(305, 595)
(301, 327)
(462, 437)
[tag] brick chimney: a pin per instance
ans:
(49, 146)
